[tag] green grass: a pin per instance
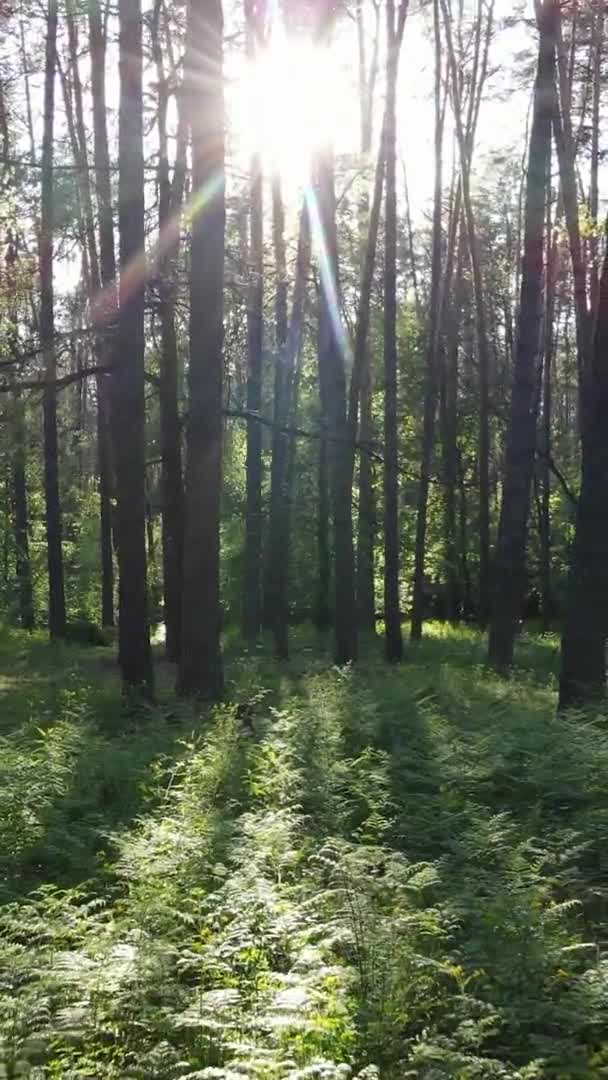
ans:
(400, 872)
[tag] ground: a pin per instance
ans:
(394, 871)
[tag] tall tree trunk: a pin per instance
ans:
(598, 42)
(280, 389)
(583, 662)
(392, 614)
(200, 666)
(287, 357)
(128, 408)
(463, 137)
(322, 613)
(169, 205)
(510, 558)
(433, 346)
(20, 515)
(448, 412)
(104, 310)
(566, 155)
(57, 616)
(92, 278)
(333, 395)
(252, 596)
(545, 459)
(366, 521)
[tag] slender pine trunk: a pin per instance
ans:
(510, 557)
(200, 666)
(57, 613)
(128, 406)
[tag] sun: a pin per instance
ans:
(288, 102)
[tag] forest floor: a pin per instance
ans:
(399, 872)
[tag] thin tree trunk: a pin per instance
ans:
(104, 311)
(483, 350)
(598, 41)
(57, 615)
(392, 613)
(545, 460)
(566, 154)
(285, 406)
(433, 346)
(449, 436)
(20, 515)
(128, 407)
(92, 278)
(583, 663)
(510, 558)
(252, 596)
(361, 398)
(322, 612)
(200, 666)
(333, 395)
(169, 206)
(279, 449)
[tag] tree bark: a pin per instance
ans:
(57, 614)
(566, 155)
(448, 413)
(597, 43)
(288, 349)
(333, 396)
(252, 578)
(169, 207)
(463, 138)
(322, 615)
(433, 346)
(392, 614)
(128, 408)
(91, 274)
(547, 604)
(583, 660)
(200, 666)
(510, 557)
(104, 310)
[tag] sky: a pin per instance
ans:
(283, 107)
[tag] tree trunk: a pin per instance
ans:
(433, 345)
(57, 616)
(277, 470)
(392, 614)
(281, 482)
(464, 139)
(128, 408)
(104, 310)
(366, 521)
(20, 516)
(200, 666)
(251, 615)
(510, 558)
(322, 611)
(545, 471)
(92, 278)
(252, 583)
(333, 396)
(583, 662)
(169, 206)
(598, 41)
(448, 412)
(566, 155)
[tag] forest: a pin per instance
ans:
(303, 539)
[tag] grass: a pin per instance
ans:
(398, 872)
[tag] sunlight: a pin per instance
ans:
(288, 101)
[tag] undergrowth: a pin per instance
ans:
(394, 873)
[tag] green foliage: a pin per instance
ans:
(383, 873)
